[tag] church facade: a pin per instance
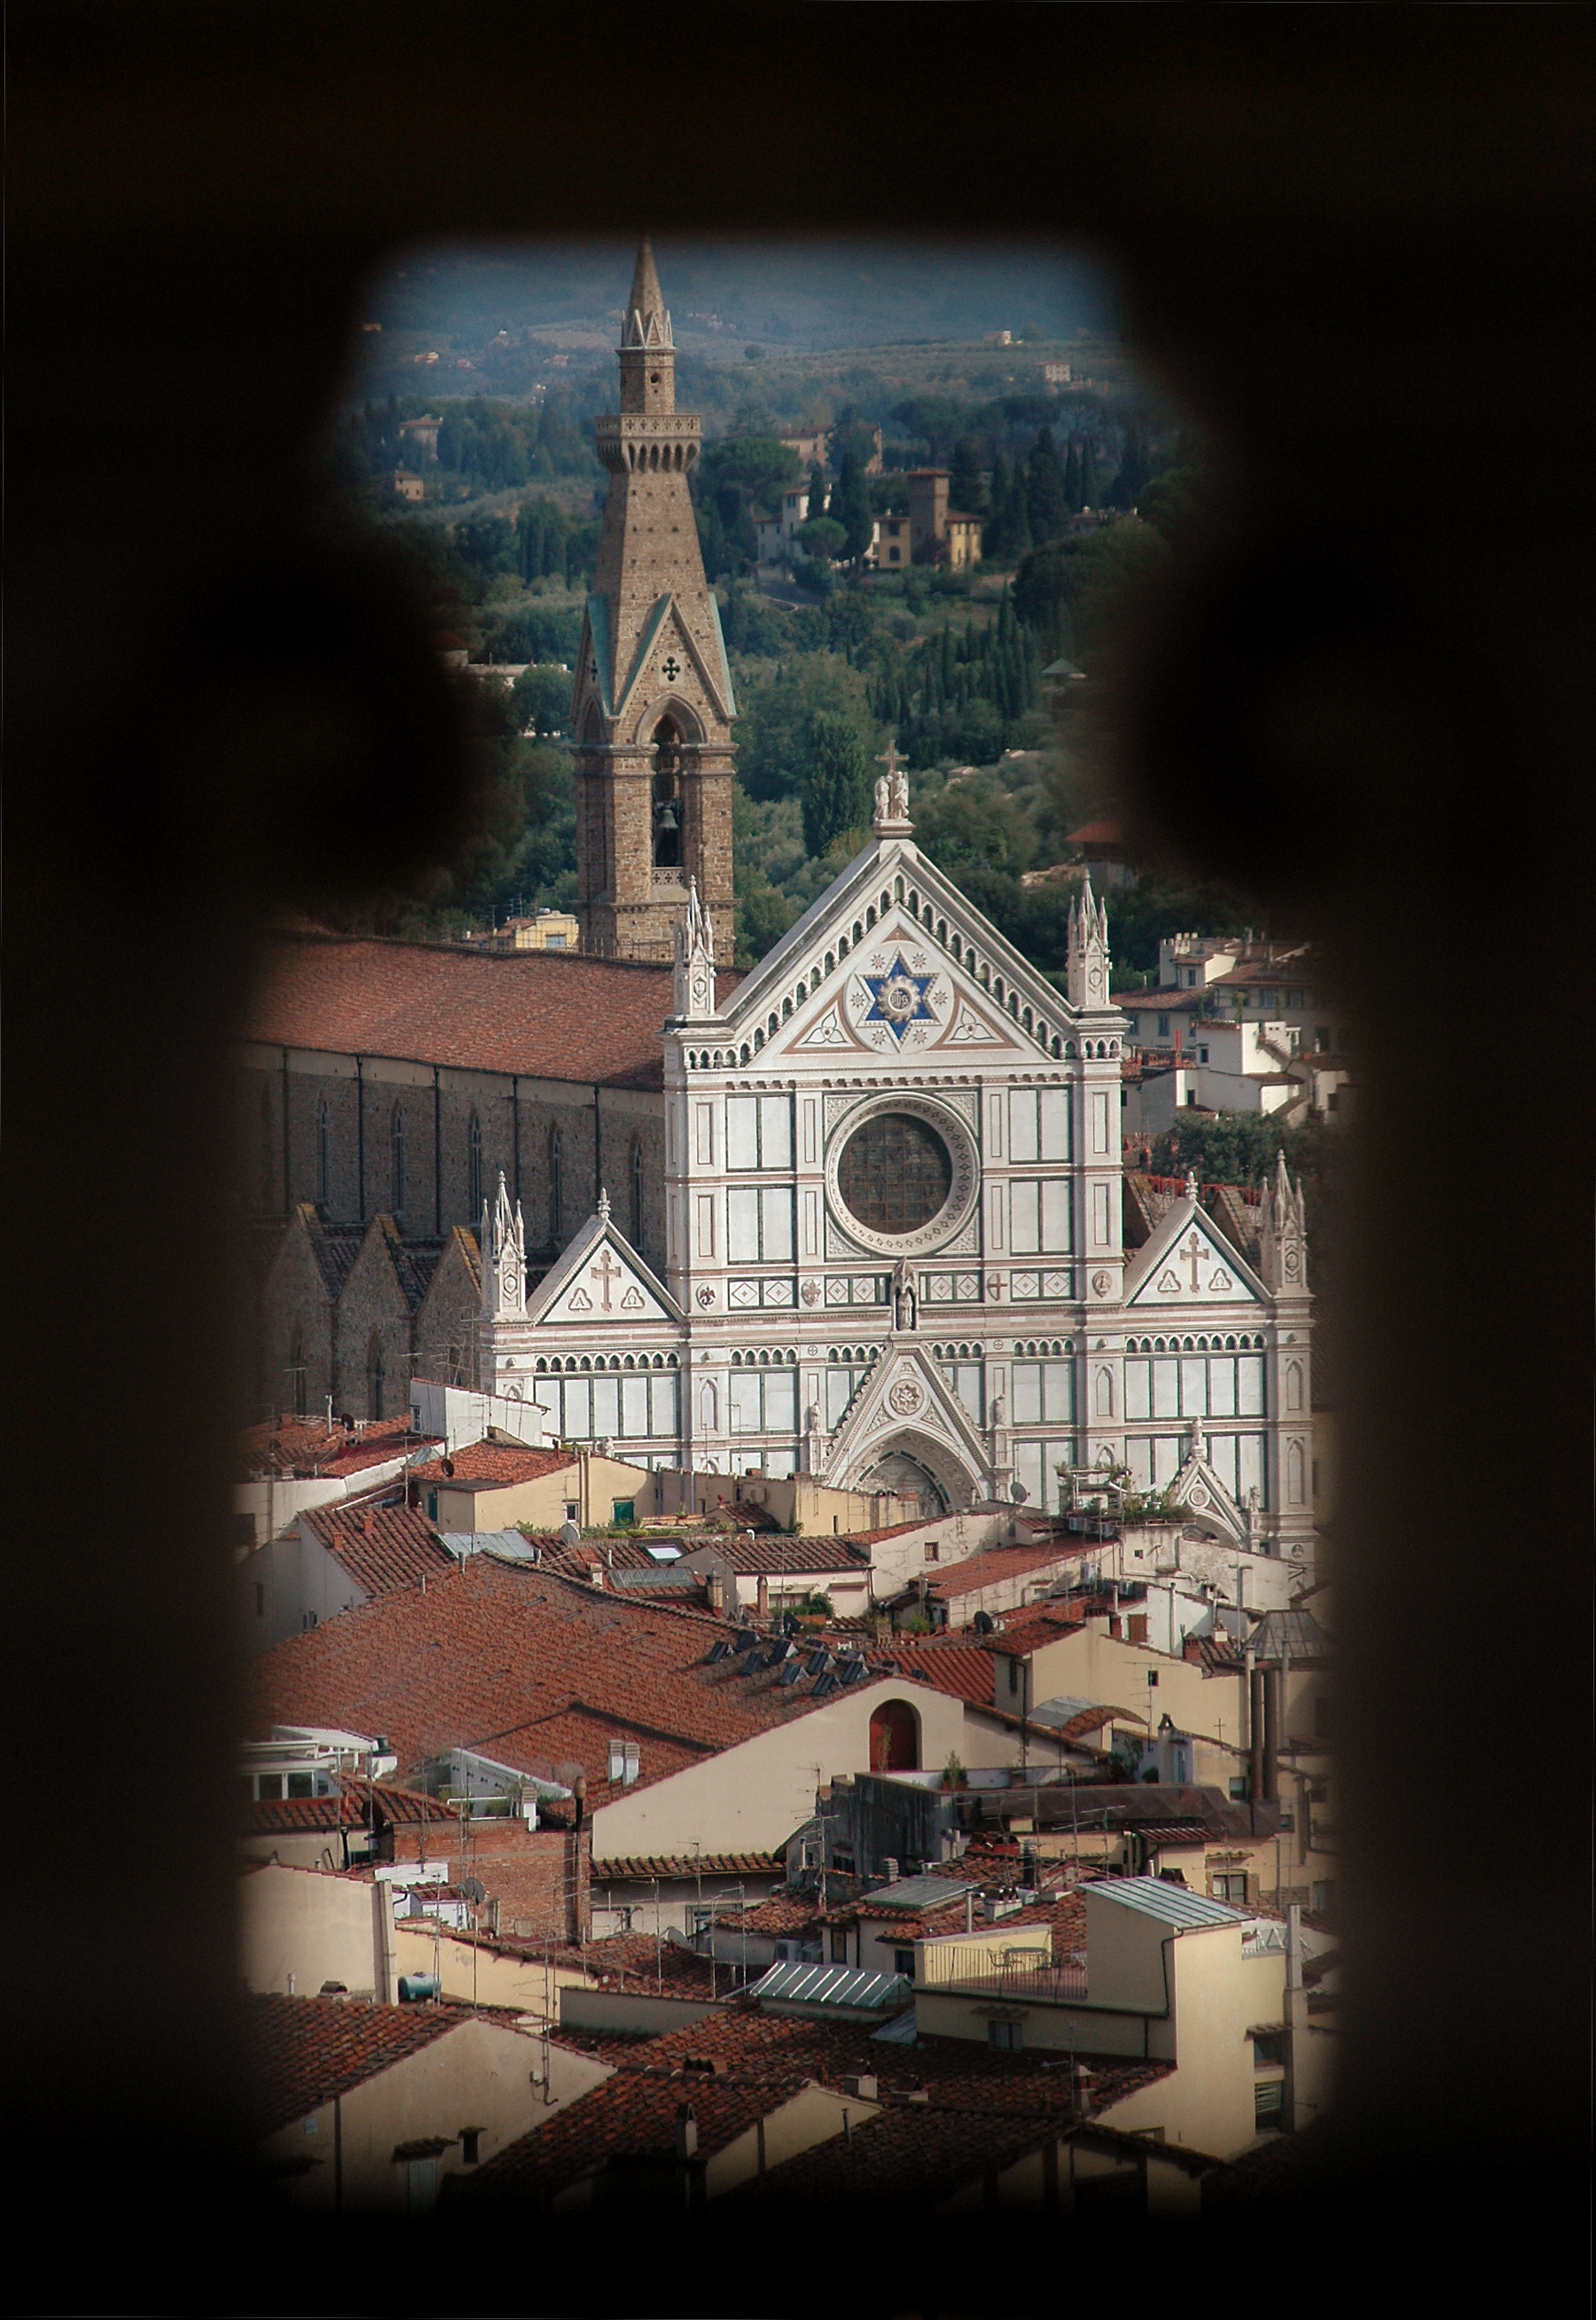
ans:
(859, 1213)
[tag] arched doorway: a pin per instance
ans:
(894, 1738)
(899, 1473)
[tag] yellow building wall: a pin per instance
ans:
(591, 1485)
(479, 2075)
(813, 2116)
(300, 1927)
(474, 1974)
(751, 1798)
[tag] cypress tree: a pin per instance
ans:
(996, 539)
(965, 491)
(816, 502)
(1090, 488)
(837, 790)
(1072, 475)
(1044, 499)
(851, 506)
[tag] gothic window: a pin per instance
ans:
(636, 1173)
(396, 1160)
(296, 1370)
(668, 795)
(556, 1184)
(376, 1376)
(475, 1164)
(323, 1153)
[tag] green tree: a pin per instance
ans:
(1074, 590)
(1091, 488)
(966, 490)
(776, 704)
(1174, 502)
(821, 537)
(764, 914)
(1072, 475)
(1134, 468)
(1044, 492)
(837, 791)
(815, 505)
(542, 698)
(851, 506)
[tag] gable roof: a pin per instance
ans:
(492, 1465)
(307, 1448)
(543, 1014)
(992, 1565)
(535, 1669)
(305, 2051)
(380, 1547)
(565, 1299)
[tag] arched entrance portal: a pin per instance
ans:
(894, 1738)
(908, 1478)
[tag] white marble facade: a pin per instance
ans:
(893, 1234)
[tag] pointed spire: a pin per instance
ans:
(694, 995)
(647, 324)
(1191, 1187)
(603, 1206)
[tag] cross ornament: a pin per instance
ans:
(891, 759)
(672, 668)
(1193, 1252)
(606, 1273)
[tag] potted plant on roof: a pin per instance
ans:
(953, 1775)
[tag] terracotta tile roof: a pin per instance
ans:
(963, 1671)
(380, 1547)
(307, 1448)
(304, 2050)
(763, 2060)
(1028, 1630)
(545, 1014)
(783, 1913)
(528, 1667)
(493, 1464)
(993, 1565)
(639, 1961)
(630, 1867)
(297, 1816)
(781, 1558)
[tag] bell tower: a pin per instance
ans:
(652, 707)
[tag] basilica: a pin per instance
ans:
(859, 1212)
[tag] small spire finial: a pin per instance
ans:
(1192, 1186)
(603, 1206)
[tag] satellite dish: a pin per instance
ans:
(1017, 1492)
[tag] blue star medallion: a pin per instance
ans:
(898, 998)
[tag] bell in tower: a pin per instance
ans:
(653, 705)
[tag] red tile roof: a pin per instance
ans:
(528, 1667)
(631, 1867)
(308, 1448)
(783, 1913)
(547, 1014)
(380, 1547)
(305, 2051)
(297, 1816)
(786, 1557)
(494, 1463)
(993, 1565)
(963, 1671)
(763, 2060)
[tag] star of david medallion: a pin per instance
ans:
(898, 998)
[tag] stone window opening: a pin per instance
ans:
(396, 1159)
(666, 794)
(475, 1146)
(635, 1171)
(556, 1184)
(323, 1154)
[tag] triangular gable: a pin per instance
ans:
(1188, 1262)
(600, 1280)
(896, 994)
(1198, 1491)
(668, 612)
(907, 1401)
(996, 990)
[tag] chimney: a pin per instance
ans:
(686, 2132)
(715, 1588)
(762, 1598)
(1080, 2091)
(863, 2089)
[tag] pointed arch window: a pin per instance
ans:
(668, 795)
(475, 1144)
(635, 1173)
(376, 1376)
(556, 1184)
(296, 1370)
(323, 1153)
(396, 1160)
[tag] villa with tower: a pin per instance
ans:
(858, 1212)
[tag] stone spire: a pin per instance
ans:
(1087, 965)
(694, 990)
(503, 1258)
(1283, 1239)
(646, 324)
